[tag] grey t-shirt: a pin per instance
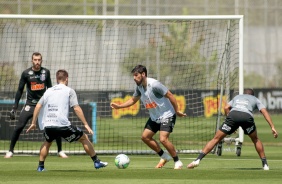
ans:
(246, 103)
(153, 99)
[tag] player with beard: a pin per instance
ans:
(162, 107)
(37, 80)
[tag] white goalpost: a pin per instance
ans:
(199, 58)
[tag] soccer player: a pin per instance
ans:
(239, 112)
(163, 109)
(37, 80)
(53, 107)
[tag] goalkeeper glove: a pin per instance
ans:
(13, 114)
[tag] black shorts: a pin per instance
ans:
(166, 125)
(69, 133)
(235, 119)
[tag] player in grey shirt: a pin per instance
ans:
(239, 112)
(162, 107)
(54, 109)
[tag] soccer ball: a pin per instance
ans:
(122, 161)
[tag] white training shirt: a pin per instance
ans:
(153, 99)
(56, 102)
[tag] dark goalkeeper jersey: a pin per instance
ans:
(36, 84)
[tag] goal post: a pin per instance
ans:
(199, 58)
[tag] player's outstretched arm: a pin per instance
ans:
(128, 103)
(269, 120)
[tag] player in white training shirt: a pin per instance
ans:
(162, 107)
(53, 108)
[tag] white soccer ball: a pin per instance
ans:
(122, 161)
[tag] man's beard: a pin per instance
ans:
(139, 83)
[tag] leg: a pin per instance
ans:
(216, 139)
(147, 138)
(259, 148)
(59, 146)
(164, 139)
(258, 144)
(167, 144)
(44, 150)
(89, 149)
(59, 143)
(209, 146)
(23, 119)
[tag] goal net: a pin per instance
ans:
(199, 58)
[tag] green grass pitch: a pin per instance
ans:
(227, 168)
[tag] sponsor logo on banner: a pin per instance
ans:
(271, 99)
(211, 105)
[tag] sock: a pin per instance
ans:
(175, 159)
(201, 156)
(264, 161)
(94, 158)
(41, 164)
(160, 153)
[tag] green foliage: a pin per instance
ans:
(7, 76)
(178, 56)
(254, 80)
(278, 76)
(76, 7)
(43, 7)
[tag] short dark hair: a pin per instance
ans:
(249, 91)
(139, 69)
(61, 75)
(36, 54)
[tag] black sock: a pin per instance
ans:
(175, 159)
(264, 161)
(41, 164)
(160, 153)
(94, 158)
(201, 156)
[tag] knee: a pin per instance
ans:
(83, 138)
(255, 140)
(144, 138)
(163, 140)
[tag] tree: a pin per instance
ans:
(254, 80)
(7, 77)
(277, 79)
(178, 54)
